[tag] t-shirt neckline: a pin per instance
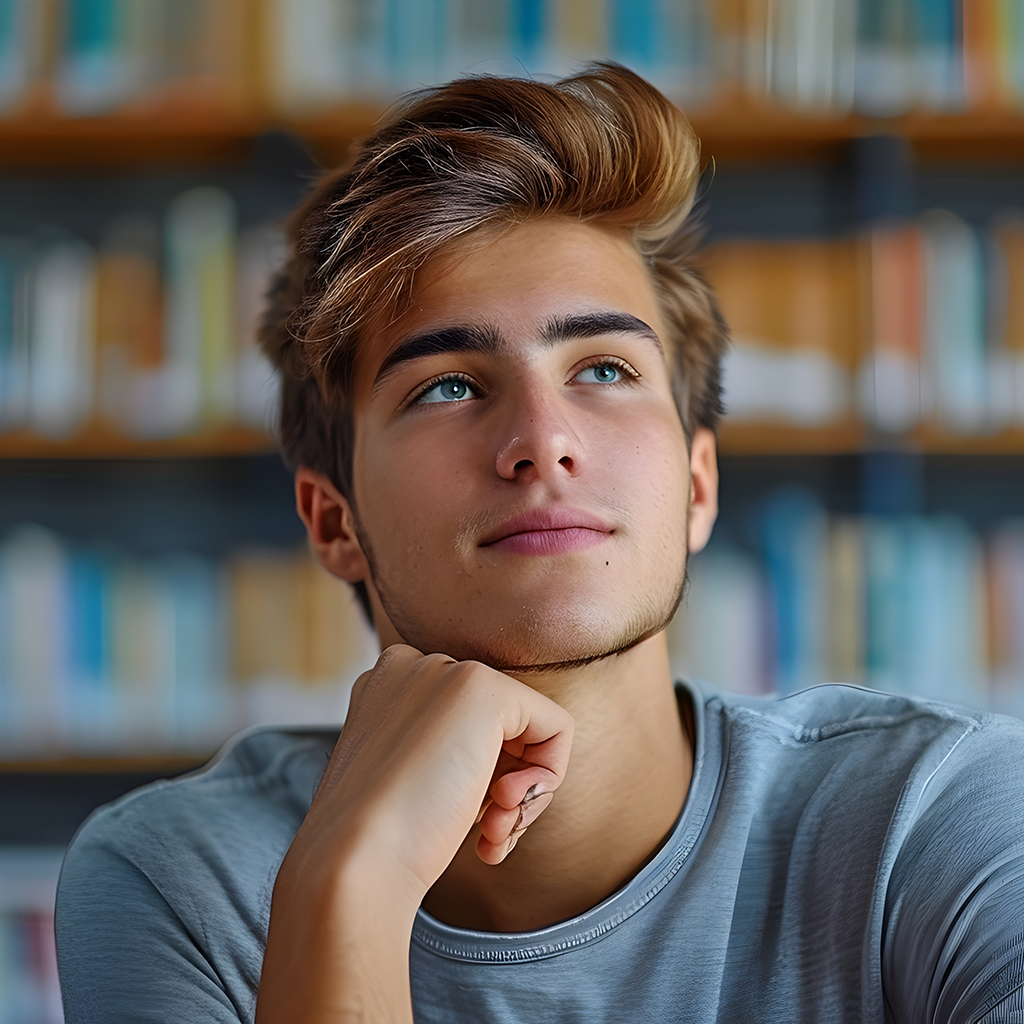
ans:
(592, 925)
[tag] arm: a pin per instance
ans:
(954, 942)
(429, 747)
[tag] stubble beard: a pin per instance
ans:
(513, 655)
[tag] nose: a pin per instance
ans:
(538, 441)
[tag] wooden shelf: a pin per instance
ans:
(851, 436)
(752, 133)
(150, 764)
(102, 443)
(729, 130)
(847, 436)
(780, 438)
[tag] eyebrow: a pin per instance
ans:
(590, 325)
(461, 338)
(487, 339)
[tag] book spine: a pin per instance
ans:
(61, 338)
(94, 75)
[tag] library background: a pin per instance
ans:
(865, 232)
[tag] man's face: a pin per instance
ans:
(520, 472)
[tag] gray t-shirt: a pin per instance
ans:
(843, 855)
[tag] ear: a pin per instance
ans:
(327, 516)
(703, 487)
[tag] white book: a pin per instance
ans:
(805, 65)
(62, 343)
(33, 565)
(955, 356)
(308, 39)
(944, 587)
(718, 633)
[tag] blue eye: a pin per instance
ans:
(602, 373)
(451, 389)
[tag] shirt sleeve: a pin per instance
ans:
(953, 947)
(124, 954)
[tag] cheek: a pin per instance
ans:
(412, 490)
(646, 456)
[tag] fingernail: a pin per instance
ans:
(512, 840)
(529, 812)
(533, 792)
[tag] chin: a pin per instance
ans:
(560, 633)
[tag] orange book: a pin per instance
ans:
(1009, 237)
(897, 290)
(129, 319)
(985, 78)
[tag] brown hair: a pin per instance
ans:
(602, 146)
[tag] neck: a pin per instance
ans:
(628, 776)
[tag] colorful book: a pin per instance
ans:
(95, 74)
(718, 633)
(884, 73)
(794, 315)
(890, 376)
(955, 359)
(14, 333)
(129, 325)
(61, 337)
(199, 332)
(1006, 333)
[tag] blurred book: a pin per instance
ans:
(883, 57)
(793, 311)
(907, 604)
(889, 383)
(21, 49)
(102, 651)
(955, 356)
(29, 988)
(156, 53)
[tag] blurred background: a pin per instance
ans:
(865, 233)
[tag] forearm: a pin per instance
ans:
(338, 948)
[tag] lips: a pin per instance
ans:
(548, 532)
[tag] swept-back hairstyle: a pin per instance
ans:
(602, 146)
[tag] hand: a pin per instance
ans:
(432, 745)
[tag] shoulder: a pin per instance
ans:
(261, 781)
(885, 756)
(843, 717)
(170, 886)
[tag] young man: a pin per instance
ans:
(500, 393)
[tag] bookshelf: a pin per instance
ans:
(731, 131)
(788, 167)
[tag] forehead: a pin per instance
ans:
(518, 279)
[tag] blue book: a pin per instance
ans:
(884, 73)
(886, 603)
(529, 33)
(415, 36)
(90, 685)
(200, 700)
(793, 538)
(940, 83)
(14, 342)
(635, 30)
(94, 74)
